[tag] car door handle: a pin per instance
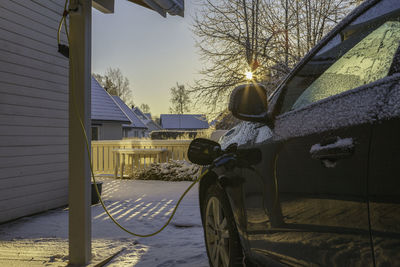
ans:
(333, 150)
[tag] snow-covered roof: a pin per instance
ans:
(151, 125)
(135, 121)
(140, 114)
(103, 106)
(183, 121)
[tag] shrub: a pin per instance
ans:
(166, 135)
(174, 170)
(180, 135)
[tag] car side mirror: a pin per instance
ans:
(248, 102)
(203, 151)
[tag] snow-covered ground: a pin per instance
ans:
(142, 207)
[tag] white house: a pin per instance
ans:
(136, 127)
(150, 124)
(107, 117)
(33, 109)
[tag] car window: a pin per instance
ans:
(361, 53)
(368, 61)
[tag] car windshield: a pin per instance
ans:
(362, 64)
(360, 53)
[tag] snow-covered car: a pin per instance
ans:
(313, 178)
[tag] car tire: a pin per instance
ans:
(220, 233)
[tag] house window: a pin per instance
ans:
(125, 132)
(95, 133)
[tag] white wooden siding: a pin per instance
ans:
(33, 109)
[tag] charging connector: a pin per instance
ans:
(63, 50)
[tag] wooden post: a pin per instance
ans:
(116, 157)
(122, 165)
(79, 163)
(137, 163)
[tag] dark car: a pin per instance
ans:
(313, 176)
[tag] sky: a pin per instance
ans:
(153, 52)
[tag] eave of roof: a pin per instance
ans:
(135, 121)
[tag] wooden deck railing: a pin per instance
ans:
(103, 157)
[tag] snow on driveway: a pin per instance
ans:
(142, 207)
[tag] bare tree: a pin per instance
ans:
(144, 108)
(179, 99)
(115, 83)
(267, 37)
(230, 40)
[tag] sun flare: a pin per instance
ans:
(249, 75)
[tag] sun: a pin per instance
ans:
(249, 75)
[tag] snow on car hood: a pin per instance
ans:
(246, 133)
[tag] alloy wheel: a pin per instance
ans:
(217, 233)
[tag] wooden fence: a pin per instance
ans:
(104, 159)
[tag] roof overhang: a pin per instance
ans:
(101, 121)
(130, 126)
(105, 6)
(172, 7)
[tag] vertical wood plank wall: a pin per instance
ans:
(33, 109)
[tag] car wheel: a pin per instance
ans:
(221, 236)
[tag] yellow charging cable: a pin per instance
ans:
(63, 20)
(76, 110)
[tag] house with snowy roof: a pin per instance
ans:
(150, 124)
(107, 116)
(136, 128)
(183, 122)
